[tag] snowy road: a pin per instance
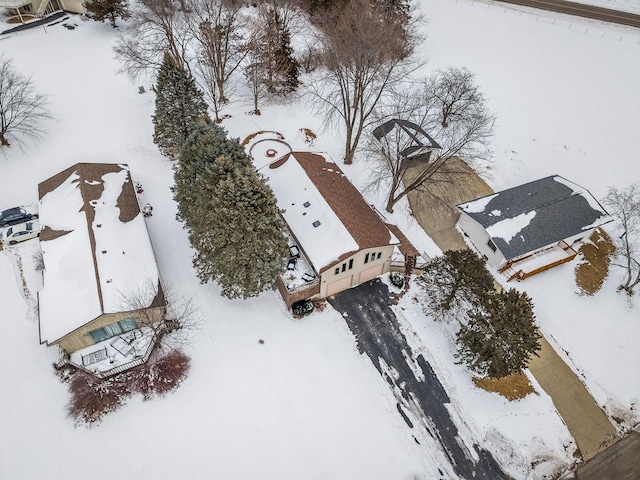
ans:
(422, 401)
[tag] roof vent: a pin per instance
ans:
(306, 204)
(316, 223)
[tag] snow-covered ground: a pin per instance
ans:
(305, 404)
(567, 103)
(632, 6)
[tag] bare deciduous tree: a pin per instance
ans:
(624, 206)
(22, 108)
(447, 108)
(218, 29)
(366, 53)
(156, 27)
(254, 73)
(180, 322)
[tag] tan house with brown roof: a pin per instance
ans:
(26, 10)
(337, 240)
(102, 289)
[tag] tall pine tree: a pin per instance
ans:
(179, 107)
(453, 282)
(500, 337)
(231, 215)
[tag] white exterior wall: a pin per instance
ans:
(73, 6)
(479, 238)
(329, 276)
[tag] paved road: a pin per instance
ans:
(580, 10)
(366, 309)
(621, 461)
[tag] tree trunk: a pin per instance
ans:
(390, 203)
(348, 151)
(3, 140)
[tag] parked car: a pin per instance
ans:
(16, 215)
(20, 233)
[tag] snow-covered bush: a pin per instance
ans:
(397, 279)
(303, 307)
(92, 398)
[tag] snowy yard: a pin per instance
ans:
(305, 404)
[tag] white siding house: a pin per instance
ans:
(531, 227)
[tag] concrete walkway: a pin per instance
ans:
(587, 423)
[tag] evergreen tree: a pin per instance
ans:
(499, 338)
(281, 67)
(101, 10)
(453, 282)
(198, 162)
(179, 107)
(230, 213)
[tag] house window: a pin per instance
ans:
(350, 264)
(492, 245)
(344, 267)
(127, 324)
(379, 255)
(336, 271)
(366, 258)
(113, 329)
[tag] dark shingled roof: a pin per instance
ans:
(562, 209)
(420, 141)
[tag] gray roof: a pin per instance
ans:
(525, 218)
(419, 140)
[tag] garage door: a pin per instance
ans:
(339, 285)
(371, 273)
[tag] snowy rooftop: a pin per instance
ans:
(536, 214)
(324, 211)
(95, 247)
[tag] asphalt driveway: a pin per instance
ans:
(366, 309)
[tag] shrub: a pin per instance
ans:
(38, 261)
(397, 279)
(92, 398)
(169, 371)
(302, 308)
